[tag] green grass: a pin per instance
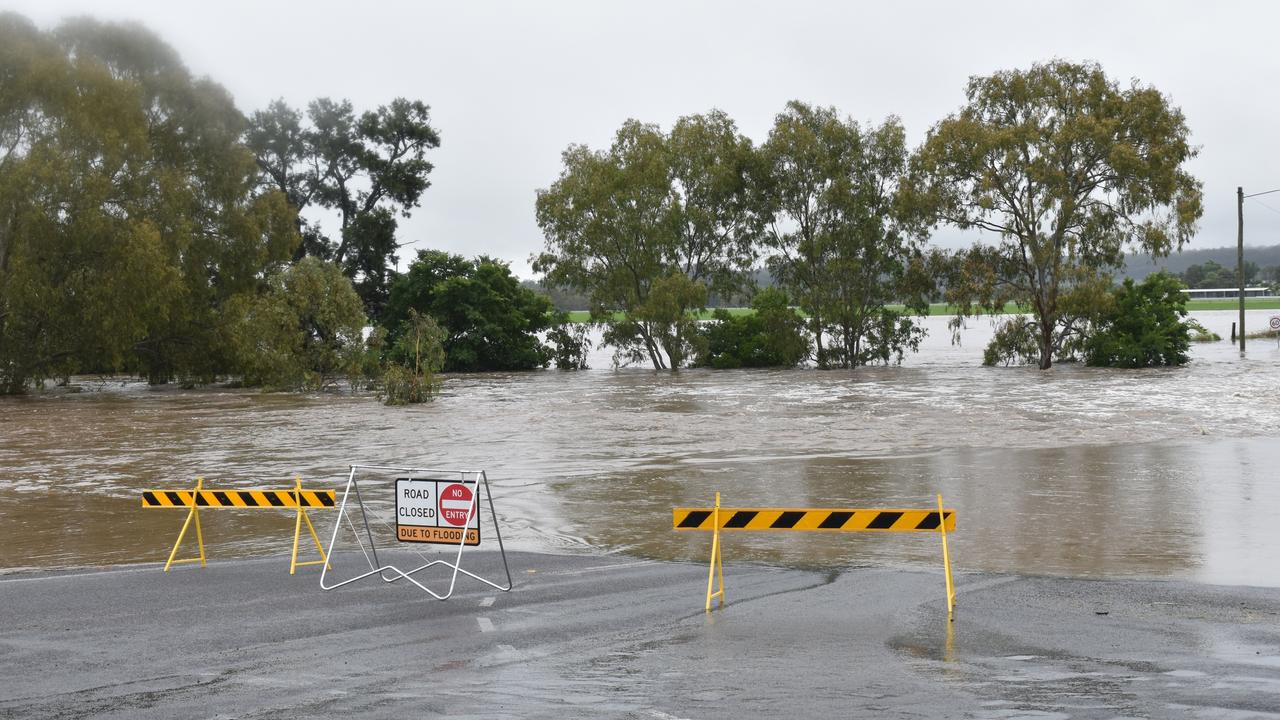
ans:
(1249, 304)
(582, 316)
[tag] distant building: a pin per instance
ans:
(1226, 293)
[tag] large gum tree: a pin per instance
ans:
(1068, 169)
(843, 244)
(648, 228)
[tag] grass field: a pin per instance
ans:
(581, 316)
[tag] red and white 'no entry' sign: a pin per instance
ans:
(455, 504)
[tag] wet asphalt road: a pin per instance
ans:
(588, 637)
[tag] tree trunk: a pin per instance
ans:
(1046, 345)
(819, 357)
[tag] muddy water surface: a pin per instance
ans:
(1075, 471)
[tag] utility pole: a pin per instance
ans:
(1240, 256)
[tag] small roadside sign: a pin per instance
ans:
(1275, 322)
(436, 511)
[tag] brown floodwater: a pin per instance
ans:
(1075, 471)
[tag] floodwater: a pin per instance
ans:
(1075, 471)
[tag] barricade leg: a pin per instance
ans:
(946, 562)
(193, 514)
(717, 560)
(297, 532)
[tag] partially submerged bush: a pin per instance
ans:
(418, 354)
(569, 343)
(772, 336)
(1145, 327)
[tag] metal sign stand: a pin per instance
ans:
(467, 477)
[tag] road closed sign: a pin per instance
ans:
(436, 511)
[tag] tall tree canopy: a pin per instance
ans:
(1067, 168)
(648, 227)
(367, 168)
(844, 244)
(128, 214)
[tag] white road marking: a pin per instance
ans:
(486, 625)
(606, 568)
(487, 602)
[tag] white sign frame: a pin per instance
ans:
(390, 573)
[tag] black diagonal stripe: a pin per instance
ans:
(788, 519)
(325, 499)
(273, 498)
(929, 522)
(200, 500)
(884, 521)
(740, 519)
(222, 498)
(694, 519)
(246, 497)
(175, 498)
(835, 520)
(149, 498)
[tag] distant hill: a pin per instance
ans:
(1140, 266)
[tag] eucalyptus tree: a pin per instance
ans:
(1067, 169)
(127, 207)
(218, 234)
(367, 168)
(647, 228)
(844, 244)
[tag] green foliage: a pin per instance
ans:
(490, 321)
(304, 331)
(401, 386)
(648, 227)
(128, 217)
(421, 345)
(1145, 327)
(1200, 333)
(365, 168)
(1014, 343)
(772, 336)
(569, 342)
(846, 246)
(1066, 168)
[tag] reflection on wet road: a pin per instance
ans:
(1076, 471)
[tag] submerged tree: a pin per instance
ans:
(128, 216)
(846, 247)
(1067, 169)
(1144, 326)
(304, 330)
(648, 228)
(420, 352)
(490, 321)
(771, 336)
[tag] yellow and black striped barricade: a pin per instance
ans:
(717, 519)
(298, 499)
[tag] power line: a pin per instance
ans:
(1269, 207)
(1263, 193)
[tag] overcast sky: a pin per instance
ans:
(510, 85)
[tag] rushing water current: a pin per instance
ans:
(1074, 471)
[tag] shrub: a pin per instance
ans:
(772, 336)
(1144, 328)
